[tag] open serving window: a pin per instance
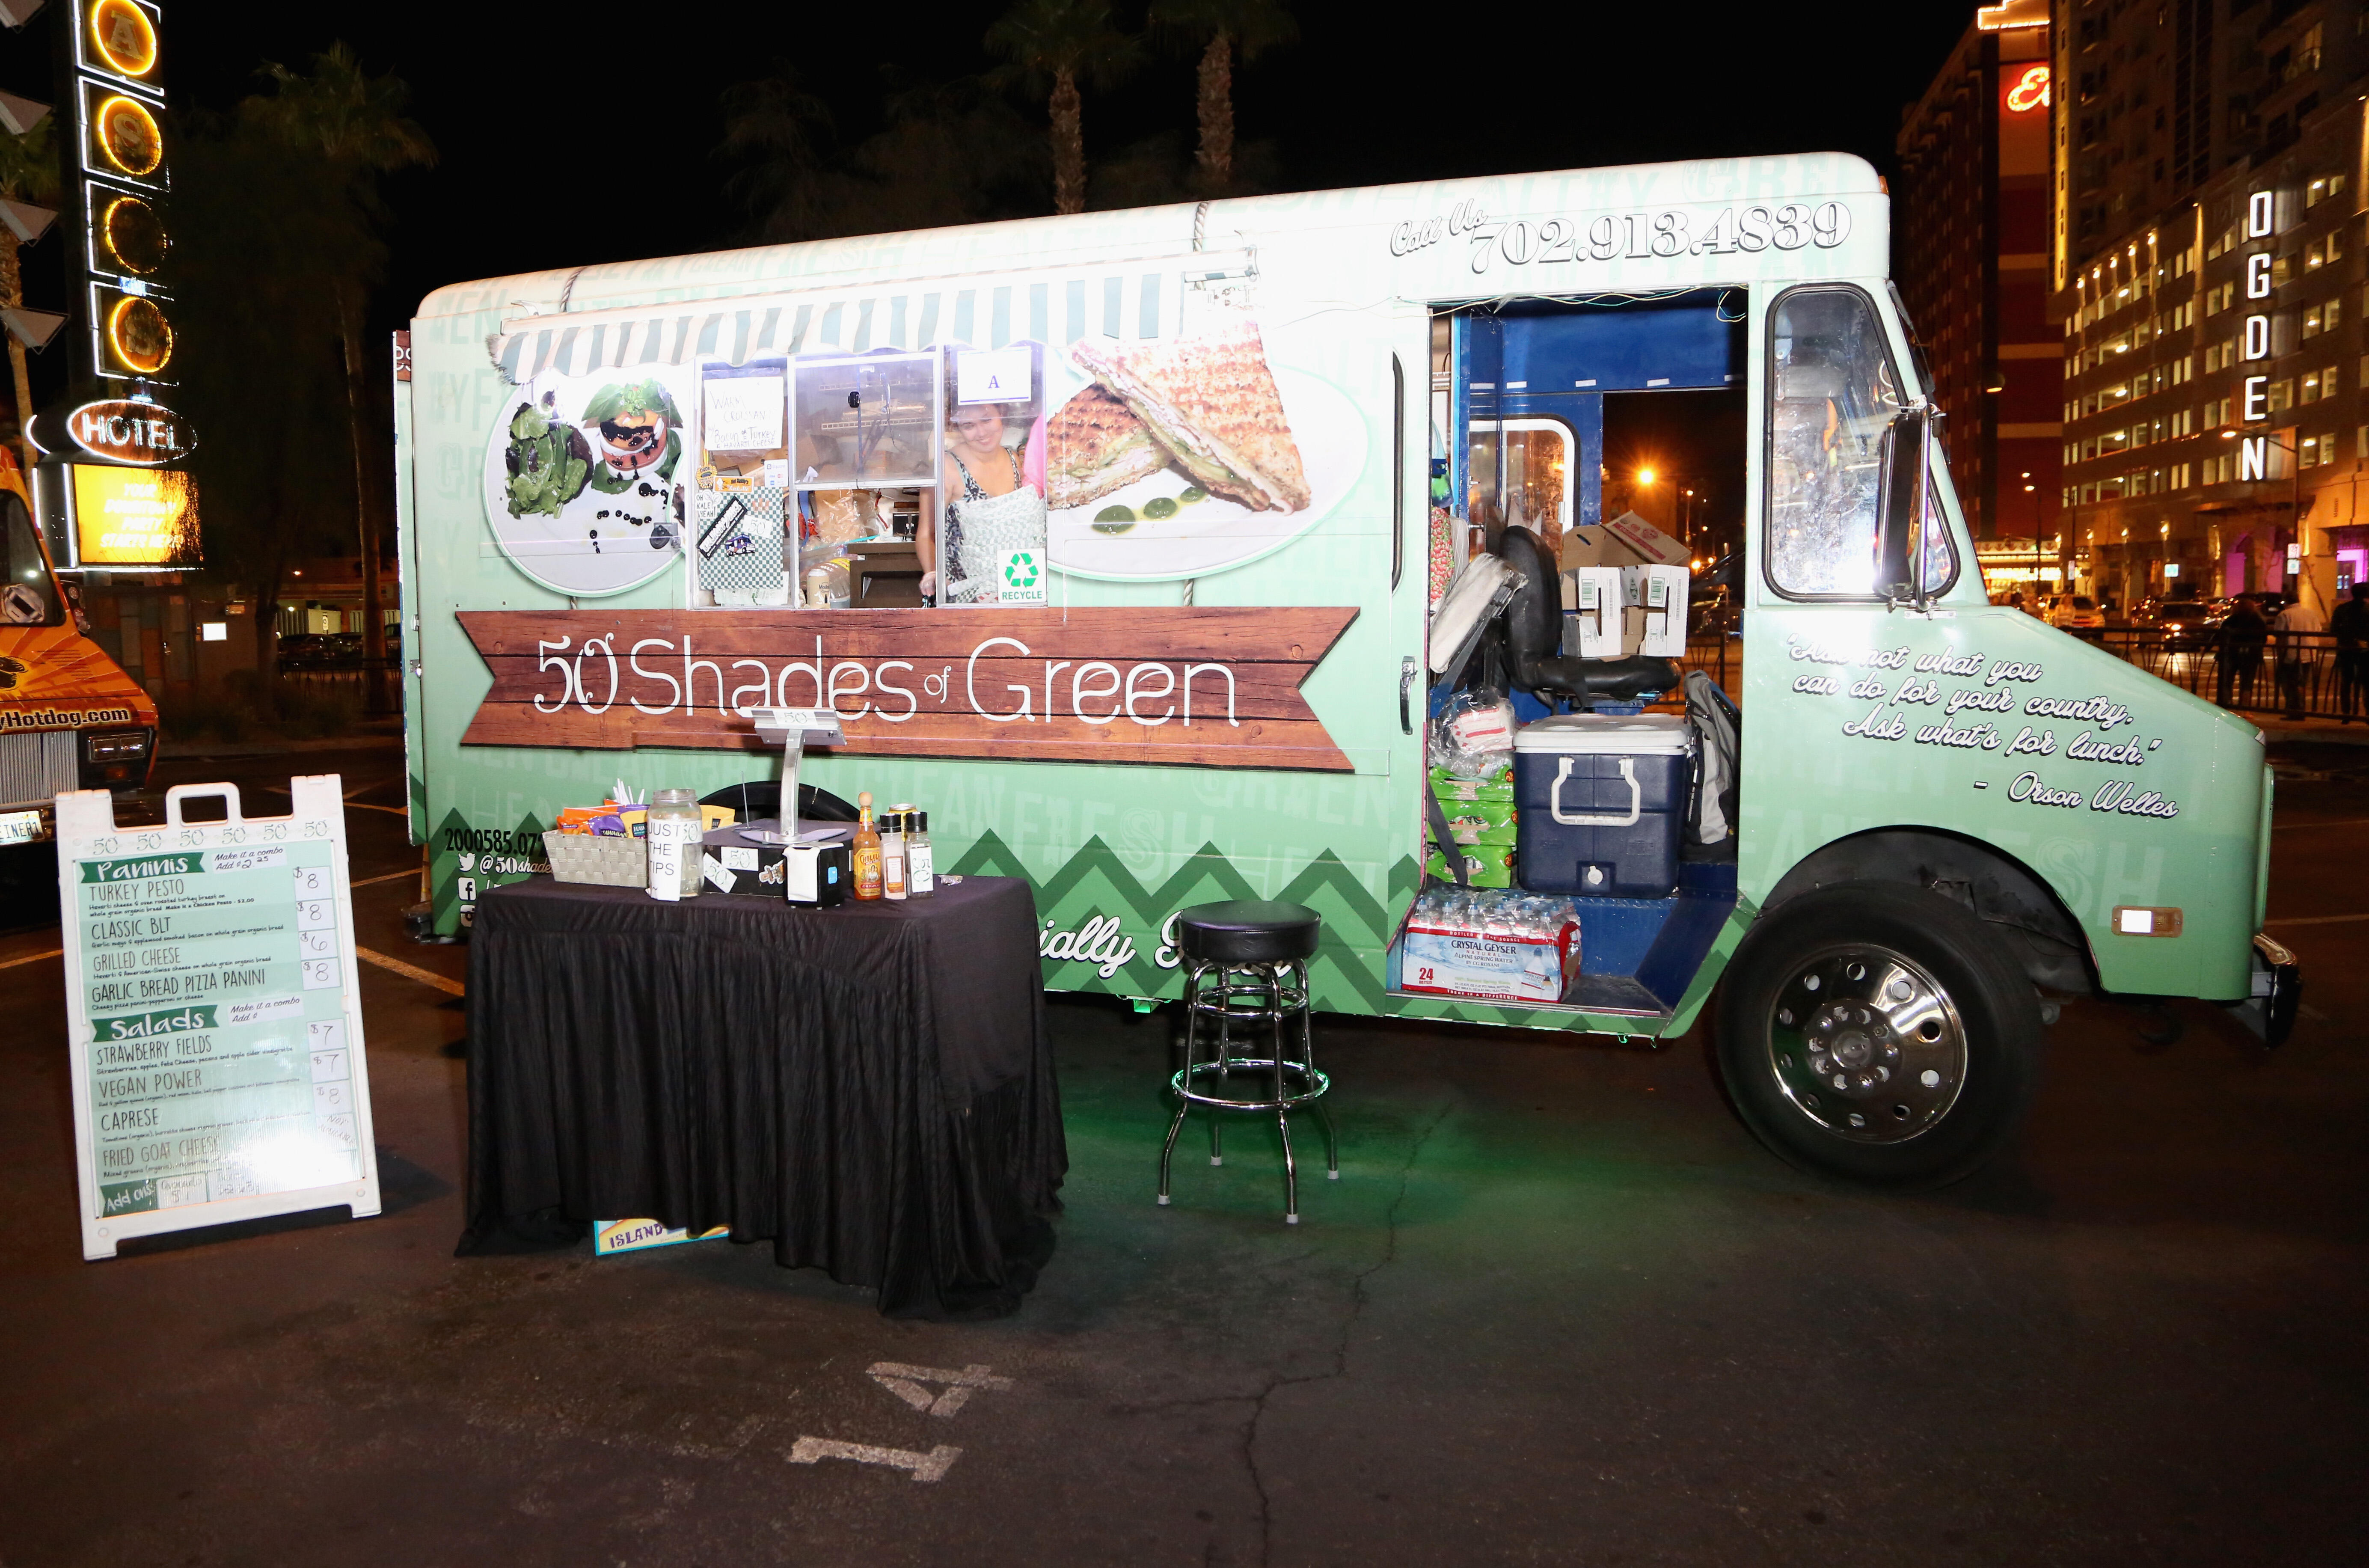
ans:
(988, 527)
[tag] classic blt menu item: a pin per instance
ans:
(214, 1014)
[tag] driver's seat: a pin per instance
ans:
(1534, 638)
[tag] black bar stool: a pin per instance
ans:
(1249, 972)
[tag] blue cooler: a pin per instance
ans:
(1601, 802)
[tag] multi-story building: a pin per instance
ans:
(1972, 232)
(2209, 231)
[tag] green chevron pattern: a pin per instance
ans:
(1346, 976)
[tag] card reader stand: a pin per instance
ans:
(796, 729)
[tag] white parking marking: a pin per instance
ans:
(412, 972)
(905, 1383)
(931, 1466)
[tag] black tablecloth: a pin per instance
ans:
(868, 1087)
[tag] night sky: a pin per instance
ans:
(575, 134)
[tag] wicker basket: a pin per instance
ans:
(603, 858)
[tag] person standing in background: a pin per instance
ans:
(2243, 632)
(2351, 624)
(2296, 625)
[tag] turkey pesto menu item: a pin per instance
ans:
(219, 1066)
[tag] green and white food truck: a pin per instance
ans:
(1172, 474)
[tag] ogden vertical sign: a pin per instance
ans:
(2254, 399)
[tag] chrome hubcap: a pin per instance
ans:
(1867, 1045)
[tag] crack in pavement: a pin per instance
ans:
(1341, 1352)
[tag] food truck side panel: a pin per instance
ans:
(1114, 850)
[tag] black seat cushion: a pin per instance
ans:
(1247, 931)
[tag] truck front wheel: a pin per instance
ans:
(1879, 1033)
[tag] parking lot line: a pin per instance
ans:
(412, 972)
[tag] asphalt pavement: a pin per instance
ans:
(1559, 1309)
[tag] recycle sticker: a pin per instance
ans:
(1024, 578)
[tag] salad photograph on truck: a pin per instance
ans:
(1256, 552)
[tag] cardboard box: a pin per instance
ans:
(1485, 865)
(1479, 821)
(1652, 601)
(1451, 789)
(1626, 540)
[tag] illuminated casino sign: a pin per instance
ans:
(138, 434)
(2029, 91)
(133, 516)
(126, 138)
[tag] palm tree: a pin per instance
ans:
(29, 172)
(1055, 44)
(355, 125)
(1225, 31)
(774, 129)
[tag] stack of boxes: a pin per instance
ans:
(1481, 817)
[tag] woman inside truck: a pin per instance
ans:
(991, 508)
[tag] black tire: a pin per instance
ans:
(1932, 1082)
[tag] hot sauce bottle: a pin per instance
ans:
(865, 856)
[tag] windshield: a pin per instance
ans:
(28, 597)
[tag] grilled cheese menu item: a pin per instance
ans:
(1094, 445)
(1211, 402)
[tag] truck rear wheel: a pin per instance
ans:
(1879, 1034)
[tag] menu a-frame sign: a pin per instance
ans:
(214, 1014)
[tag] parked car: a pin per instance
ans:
(2186, 624)
(2074, 611)
(303, 650)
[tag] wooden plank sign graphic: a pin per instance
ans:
(1204, 687)
(214, 1014)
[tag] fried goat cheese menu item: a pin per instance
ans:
(1212, 403)
(1094, 445)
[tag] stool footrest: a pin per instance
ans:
(1313, 1083)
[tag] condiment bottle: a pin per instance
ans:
(865, 859)
(920, 875)
(892, 856)
(672, 835)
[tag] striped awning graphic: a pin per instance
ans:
(1138, 301)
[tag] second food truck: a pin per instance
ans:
(1168, 475)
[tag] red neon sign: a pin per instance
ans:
(2030, 92)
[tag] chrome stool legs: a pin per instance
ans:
(1219, 997)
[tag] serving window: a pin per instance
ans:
(868, 421)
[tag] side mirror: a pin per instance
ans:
(1908, 458)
